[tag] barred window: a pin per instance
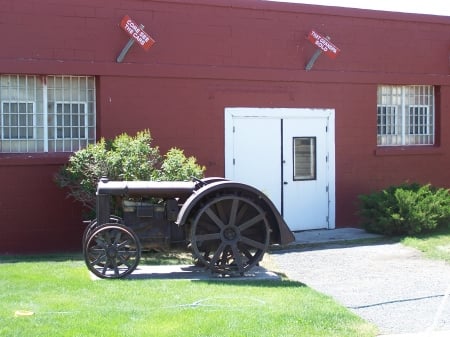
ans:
(71, 120)
(46, 113)
(17, 120)
(405, 115)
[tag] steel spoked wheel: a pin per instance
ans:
(230, 235)
(112, 251)
(113, 219)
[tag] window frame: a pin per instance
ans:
(403, 99)
(312, 168)
(56, 126)
(47, 93)
(18, 126)
(392, 118)
(413, 125)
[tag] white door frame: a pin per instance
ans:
(287, 113)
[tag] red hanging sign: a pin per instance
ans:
(323, 43)
(136, 32)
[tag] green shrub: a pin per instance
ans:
(133, 158)
(405, 209)
(123, 158)
(177, 167)
(81, 174)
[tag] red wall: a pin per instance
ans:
(35, 214)
(208, 56)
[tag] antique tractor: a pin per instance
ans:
(228, 225)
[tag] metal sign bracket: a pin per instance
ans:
(127, 47)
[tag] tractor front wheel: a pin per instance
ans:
(112, 251)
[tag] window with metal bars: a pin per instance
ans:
(46, 113)
(71, 120)
(405, 115)
(17, 120)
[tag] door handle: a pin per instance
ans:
(285, 182)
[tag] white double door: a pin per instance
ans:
(288, 154)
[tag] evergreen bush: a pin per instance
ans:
(409, 208)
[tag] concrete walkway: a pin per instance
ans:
(332, 236)
(193, 273)
(390, 285)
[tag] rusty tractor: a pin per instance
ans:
(228, 225)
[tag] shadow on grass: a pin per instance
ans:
(51, 257)
(199, 273)
(261, 283)
(167, 266)
(206, 278)
(438, 232)
(172, 257)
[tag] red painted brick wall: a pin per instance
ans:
(208, 56)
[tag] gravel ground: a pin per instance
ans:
(389, 285)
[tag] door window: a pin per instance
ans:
(304, 158)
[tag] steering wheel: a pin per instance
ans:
(199, 182)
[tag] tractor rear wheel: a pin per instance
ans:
(230, 234)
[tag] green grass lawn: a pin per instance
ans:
(435, 245)
(65, 301)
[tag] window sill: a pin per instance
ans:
(408, 151)
(29, 159)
